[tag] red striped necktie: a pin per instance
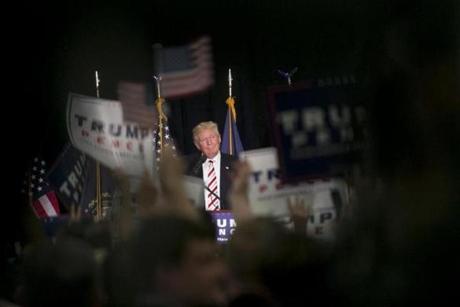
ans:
(212, 201)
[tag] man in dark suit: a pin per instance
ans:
(211, 165)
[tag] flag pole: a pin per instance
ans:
(98, 169)
(161, 115)
(159, 100)
(230, 82)
(231, 112)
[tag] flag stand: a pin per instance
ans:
(162, 119)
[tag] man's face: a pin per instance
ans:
(208, 142)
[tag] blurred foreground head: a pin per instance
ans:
(282, 267)
(414, 59)
(406, 219)
(61, 274)
(175, 260)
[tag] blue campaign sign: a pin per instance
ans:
(225, 225)
(73, 176)
(319, 128)
(68, 175)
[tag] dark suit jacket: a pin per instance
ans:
(195, 169)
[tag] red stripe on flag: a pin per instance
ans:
(46, 205)
(133, 97)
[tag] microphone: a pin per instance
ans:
(209, 190)
(198, 164)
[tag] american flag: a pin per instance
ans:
(185, 70)
(42, 197)
(137, 102)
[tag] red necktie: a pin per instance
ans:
(212, 202)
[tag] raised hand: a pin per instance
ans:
(238, 195)
(299, 213)
(174, 198)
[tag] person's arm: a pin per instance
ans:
(238, 194)
(174, 197)
(298, 212)
(124, 215)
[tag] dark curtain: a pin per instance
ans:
(253, 38)
(57, 50)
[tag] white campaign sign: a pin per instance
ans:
(268, 197)
(96, 127)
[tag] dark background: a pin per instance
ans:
(65, 43)
(53, 48)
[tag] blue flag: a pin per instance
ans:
(231, 142)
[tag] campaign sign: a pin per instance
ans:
(97, 128)
(319, 128)
(323, 198)
(68, 176)
(225, 225)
